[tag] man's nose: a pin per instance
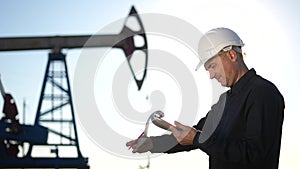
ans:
(211, 74)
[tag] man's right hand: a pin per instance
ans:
(140, 145)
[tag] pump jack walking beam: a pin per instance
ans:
(124, 40)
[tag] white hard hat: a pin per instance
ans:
(214, 41)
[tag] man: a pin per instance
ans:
(243, 129)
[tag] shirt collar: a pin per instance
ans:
(242, 81)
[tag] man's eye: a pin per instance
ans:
(213, 66)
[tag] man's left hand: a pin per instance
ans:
(184, 134)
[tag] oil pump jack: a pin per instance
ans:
(55, 108)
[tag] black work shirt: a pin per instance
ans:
(248, 134)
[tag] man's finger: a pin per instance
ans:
(130, 143)
(135, 149)
(173, 129)
(179, 125)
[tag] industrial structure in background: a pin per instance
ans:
(54, 128)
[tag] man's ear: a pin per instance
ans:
(232, 55)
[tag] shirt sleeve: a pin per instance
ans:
(168, 144)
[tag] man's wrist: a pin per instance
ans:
(196, 138)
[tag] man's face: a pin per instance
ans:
(220, 68)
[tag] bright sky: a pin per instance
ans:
(268, 28)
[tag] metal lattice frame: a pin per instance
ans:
(55, 107)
